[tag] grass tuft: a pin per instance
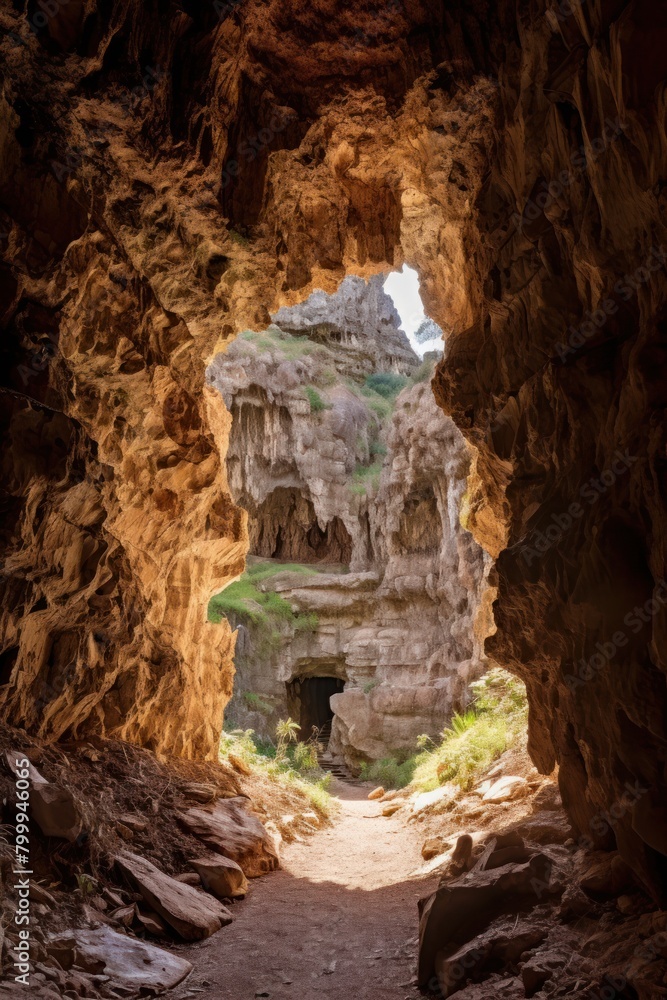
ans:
(495, 722)
(296, 765)
(265, 613)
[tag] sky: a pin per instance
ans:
(403, 287)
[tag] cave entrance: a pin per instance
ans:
(284, 526)
(310, 704)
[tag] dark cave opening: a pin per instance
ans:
(310, 701)
(285, 526)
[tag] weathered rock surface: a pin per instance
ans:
(505, 880)
(404, 627)
(230, 829)
(221, 876)
(361, 320)
(192, 914)
(130, 963)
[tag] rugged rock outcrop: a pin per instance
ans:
(366, 492)
(515, 156)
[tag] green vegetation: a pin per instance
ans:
(495, 722)
(288, 763)
(265, 612)
(389, 772)
(424, 372)
(366, 477)
(274, 339)
(317, 404)
(256, 703)
(386, 384)
(474, 740)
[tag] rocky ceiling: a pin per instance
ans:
(171, 172)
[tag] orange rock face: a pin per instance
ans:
(167, 180)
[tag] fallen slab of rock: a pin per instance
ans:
(53, 808)
(377, 793)
(129, 962)
(506, 788)
(192, 914)
(507, 878)
(229, 829)
(221, 876)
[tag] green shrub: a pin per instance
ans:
(298, 766)
(389, 772)
(386, 384)
(473, 740)
(496, 721)
(256, 703)
(378, 448)
(366, 477)
(424, 372)
(317, 404)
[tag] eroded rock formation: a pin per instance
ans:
(366, 493)
(515, 156)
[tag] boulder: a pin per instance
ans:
(229, 829)
(391, 808)
(546, 827)
(193, 915)
(377, 793)
(606, 875)
(128, 962)
(438, 796)
(506, 788)
(463, 907)
(432, 847)
(221, 876)
(53, 808)
(498, 947)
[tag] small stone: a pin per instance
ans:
(391, 808)
(377, 793)
(221, 876)
(188, 878)
(432, 847)
(239, 765)
(135, 823)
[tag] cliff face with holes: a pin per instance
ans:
(171, 173)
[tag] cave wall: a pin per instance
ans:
(559, 383)
(514, 153)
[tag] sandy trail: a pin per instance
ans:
(338, 921)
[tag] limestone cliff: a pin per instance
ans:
(365, 492)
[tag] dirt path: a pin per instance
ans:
(339, 920)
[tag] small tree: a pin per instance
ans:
(286, 733)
